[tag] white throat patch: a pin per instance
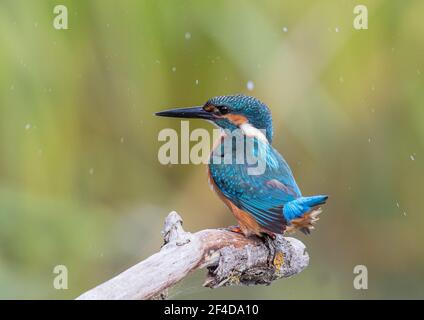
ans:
(251, 131)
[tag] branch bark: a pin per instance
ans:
(230, 258)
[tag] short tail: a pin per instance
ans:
(301, 213)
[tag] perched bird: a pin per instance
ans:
(266, 203)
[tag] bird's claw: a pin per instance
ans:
(235, 229)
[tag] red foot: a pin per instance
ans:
(235, 229)
(269, 234)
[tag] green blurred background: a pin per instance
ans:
(80, 182)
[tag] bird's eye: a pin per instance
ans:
(223, 109)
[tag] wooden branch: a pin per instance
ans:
(231, 259)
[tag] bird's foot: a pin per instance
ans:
(269, 234)
(235, 229)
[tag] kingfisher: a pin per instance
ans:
(265, 203)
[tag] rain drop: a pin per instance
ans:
(250, 85)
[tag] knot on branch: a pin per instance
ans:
(173, 230)
(260, 262)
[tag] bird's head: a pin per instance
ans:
(230, 112)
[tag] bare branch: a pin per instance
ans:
(231, 259)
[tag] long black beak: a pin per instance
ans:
(193, 112)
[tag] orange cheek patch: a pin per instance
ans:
(237, 119)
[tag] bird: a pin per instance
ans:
(267, 203)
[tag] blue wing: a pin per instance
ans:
(262, 195)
